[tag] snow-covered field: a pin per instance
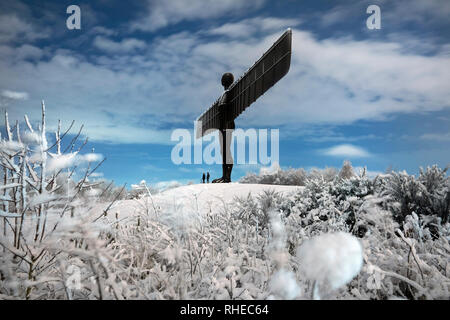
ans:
(198, 198)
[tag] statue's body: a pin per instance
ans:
(270, 68)
(226, 128)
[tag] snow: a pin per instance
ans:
(10, 146)
(30, 138)
(61, 161)
(141, 186)
(198, 198)
(41, 198)
(91, 157)
(333, 259)
(284, 285)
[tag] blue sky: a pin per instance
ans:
(137, 70)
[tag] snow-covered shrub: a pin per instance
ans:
(346, 170)
(99, 190)
(109, 191)
(429, 194)
(256, 210)
(394, 264)
(404, 191)
(141, 190)
(398, 264)
(362, 206)
(436, 199)
(48, 222)
(277, 176)
(354, 186)
(328, 174)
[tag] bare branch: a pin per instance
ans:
(8, 128)
(105, 212)
(28, 123)
(74, 139)
(59, 138)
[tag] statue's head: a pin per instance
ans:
(227, 80)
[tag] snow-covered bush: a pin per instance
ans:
(108, 191)
(346, 170)
(297, 177)
(277, 176)
(141, 190)
(395, 260)
(429, 194)
(327, 174)
(46, 214)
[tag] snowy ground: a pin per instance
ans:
(201, 198)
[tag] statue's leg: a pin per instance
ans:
(222, 140)
(228, 173)
(229, 158)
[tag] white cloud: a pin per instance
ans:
(139, 96)
(14, 95)
(436, 136)
(91, 157)
(418, 11)
(248, 27)
(339, 138)
(58, 162)
(335, 15)
(273, 168)
(12, 28)
(96, 175)
(343, 80)
(102, 30)
(346, 150)
(161, 13)
(127, 45)
(164, 185)
(193, 170)
(21, 53)
(393, 13)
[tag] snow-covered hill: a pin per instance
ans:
(201, 198)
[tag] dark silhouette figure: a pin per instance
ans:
(203, 178)
(226, 127)
(207, 177)
(238, 96)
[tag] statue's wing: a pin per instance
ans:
(271, 67)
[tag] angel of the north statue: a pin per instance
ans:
(240, 94)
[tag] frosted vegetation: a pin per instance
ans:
(342, 236)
